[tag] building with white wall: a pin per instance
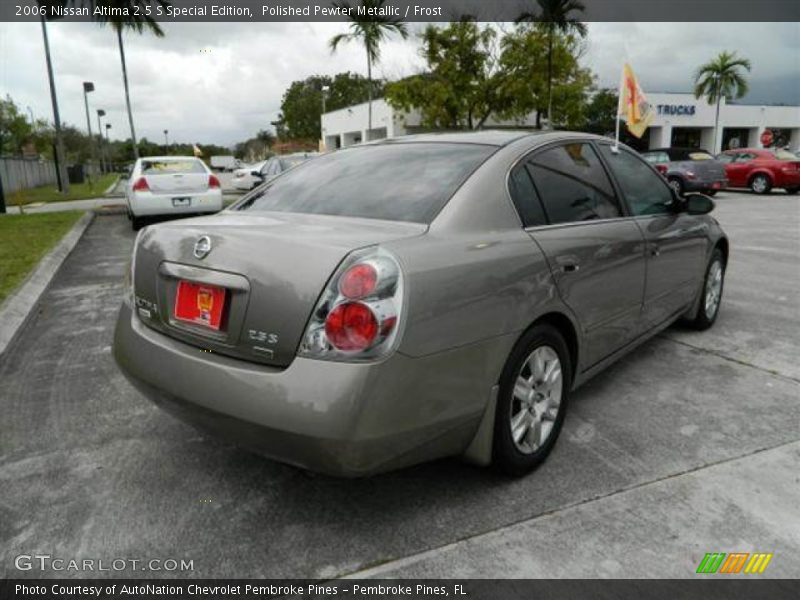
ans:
(681, 120)
(348, 126)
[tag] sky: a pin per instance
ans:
(215, 83)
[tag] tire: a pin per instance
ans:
(707, 311)
(521, 456)
(676, 184)
(760, 184)
(792, 191)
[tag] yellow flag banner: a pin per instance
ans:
(197, 152)
(637, 111)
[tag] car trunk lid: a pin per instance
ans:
(272, 268)
(176, 183)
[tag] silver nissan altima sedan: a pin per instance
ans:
(421, 297)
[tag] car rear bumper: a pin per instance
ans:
(342, 419)
(144, 204)
(698, 185)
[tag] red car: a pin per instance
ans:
(762, 169)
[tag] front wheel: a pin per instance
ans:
(531, 401)
(711, 297)
(760, 184)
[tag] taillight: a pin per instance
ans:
(213, 182)
(358, 315)
(141, 185)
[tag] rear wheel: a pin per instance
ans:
(761, 184)
(676, 184)
(711, 297)
(532, 401)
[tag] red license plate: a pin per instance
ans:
(200, 304)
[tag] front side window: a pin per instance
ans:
(572, 184)
(646, 191)
(396, 182)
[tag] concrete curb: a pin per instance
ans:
(18, 308)
(112, 187)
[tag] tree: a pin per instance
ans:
(721, 76)
(15, 130)
(473, 72)
(528, 85)
(601, 112)
(461, 87)
(136, 16)
(301, 106)
(370, 26)
(555, 16)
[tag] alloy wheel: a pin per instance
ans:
(713, 289)
(536, 399)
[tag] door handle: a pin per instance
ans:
(570, 267)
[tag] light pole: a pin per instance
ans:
(101, 113)
(88, 86)
(166, 141)
(108, 143)
(30, 112)
(58, 149)
(325, 89)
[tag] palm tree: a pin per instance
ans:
(721, 76)
(138, 19)
(371, 29)
(555, 17)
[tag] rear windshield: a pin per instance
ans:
(160, 167)
(396, 182)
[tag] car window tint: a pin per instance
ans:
(573, 184)
(527, 201)
(397, 182)
(645, 191)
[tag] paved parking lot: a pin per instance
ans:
(688, 446)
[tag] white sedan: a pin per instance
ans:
(171, 185)
(244, 178)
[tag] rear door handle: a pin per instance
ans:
(570, 267)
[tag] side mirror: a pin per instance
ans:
(698, 204)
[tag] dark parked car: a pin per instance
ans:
(688, 169)
(415, 298)
(762, 169)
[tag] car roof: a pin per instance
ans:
(490, 137)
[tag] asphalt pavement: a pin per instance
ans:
(689, 445)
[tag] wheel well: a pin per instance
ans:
(722, 244)
(757, 173)
(565, 328)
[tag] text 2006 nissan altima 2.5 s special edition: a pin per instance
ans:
(416, 298)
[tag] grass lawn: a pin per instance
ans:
(25, 239)
(50, 193)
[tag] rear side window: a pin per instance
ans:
(396, 182)
(159, 167)
(572, 184)
(525, 198)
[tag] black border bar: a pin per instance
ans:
(709, 11)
